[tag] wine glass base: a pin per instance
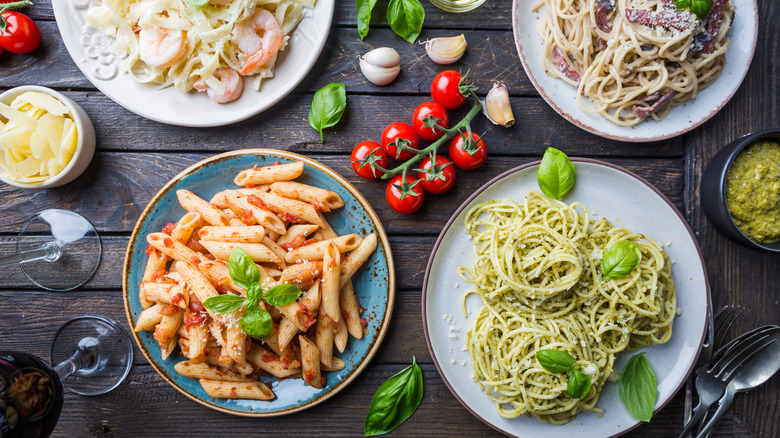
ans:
(109, 354)
(78, 244)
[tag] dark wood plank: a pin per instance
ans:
(344, 16)
(116, 188)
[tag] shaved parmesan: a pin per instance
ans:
(38, 138)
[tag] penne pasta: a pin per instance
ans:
(245, 390)
(185, 227)
(331, 265)
(198, 335)
(269, 362)
(291, 209)
(171, 248)
(310, 362)
(256, 251)
(239, 234)
(192, 203)
(149, 318)
(326, 230)
(321, 199)
(167, 293)
(296, 236)
(206, 371)
(324, 338)
(276, 249)
(316, 250)
(269, 174)
(350, 310)
(336, 365)
(244, 209)
(340, 335)
(199, 284)
(301, 274)
(287, 331)
(354, 260)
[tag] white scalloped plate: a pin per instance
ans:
(91, 51)
(681, 119)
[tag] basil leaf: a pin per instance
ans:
(364, 8)
(578, 385)
(557, 175)
(395, 401)
(327, 106)
(555, 361)
(198, 2)
(256, 322)
(242, 269)
(227, 303)
(254, 293)
(701, 8)
(638, 387)
(282, 294)
(620, 259)
(406, 18)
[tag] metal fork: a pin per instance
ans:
(717, 331)
(712, 380)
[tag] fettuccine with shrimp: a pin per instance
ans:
(209, 48)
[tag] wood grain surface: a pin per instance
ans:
(136, 157)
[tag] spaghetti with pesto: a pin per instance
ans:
(537, 270)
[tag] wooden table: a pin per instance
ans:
(136, 157)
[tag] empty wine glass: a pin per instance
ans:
(93, 354)
(57, 250)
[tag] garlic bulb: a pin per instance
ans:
(381, 66)
(497, 107)
(446, 50)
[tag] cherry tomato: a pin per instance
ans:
(21, 35)
(366, 153)
(404, 202)
(434, 110)
(468, 153)
(446, 89)
(439, 179)
(399, 132)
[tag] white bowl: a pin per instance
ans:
(85, 145)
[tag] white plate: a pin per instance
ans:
(91, 51)
(681, 119)
(607, 191)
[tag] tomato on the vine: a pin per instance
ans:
(468, 152)
(439, 178)
(449, 89)
(366, 156)
(21, 34)
(404, 195)
(425, 116)
(398, 133)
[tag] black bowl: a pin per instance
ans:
(713, 190)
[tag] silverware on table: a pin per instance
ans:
(716, 332)
(711, 381)
(752, 374)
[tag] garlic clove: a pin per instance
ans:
(497, 108)
(446, 50)
(380, 66)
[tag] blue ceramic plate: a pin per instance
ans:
(374, 282)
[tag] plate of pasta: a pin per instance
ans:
(251, 289)
(196, 63)
(515, 273)
(636, 70)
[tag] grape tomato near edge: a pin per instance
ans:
(21, 34)
(434, 110)
(468, 153)
(399, 132)
(445, 89)
(366, 153)
(437, 180)
(404, 203)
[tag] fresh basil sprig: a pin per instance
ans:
(556, 175)
(699, 7)
(638, 387)
(620, 259)
(395, 401)
(561, 362)
(364, 8)
(406, 18)
(256, 322)
(327, 106)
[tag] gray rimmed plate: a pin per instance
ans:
(607, 191)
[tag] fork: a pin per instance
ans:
(716, 333)
(712, 380)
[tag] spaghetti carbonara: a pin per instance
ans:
(633, 58)
(537, 270)
(209, 45)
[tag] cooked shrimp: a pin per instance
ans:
(233, 83)
(258, 49)
(161, 47)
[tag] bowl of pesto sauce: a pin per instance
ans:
(741, 191)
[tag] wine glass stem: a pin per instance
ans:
(49, 251)
(81, 359)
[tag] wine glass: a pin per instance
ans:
(93, 354)
(58, 250)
